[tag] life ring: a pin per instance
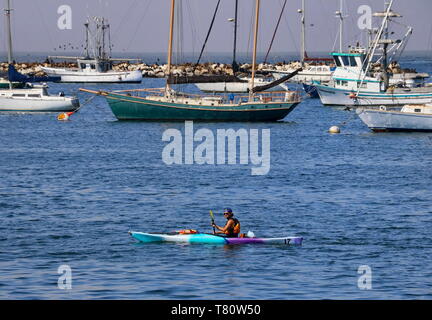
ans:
(383, 108)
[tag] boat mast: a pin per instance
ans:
(9, 30)
(86, 25)
(252, 84)
(339, 14)
(234, 63)
(303, 32)
(170, 44)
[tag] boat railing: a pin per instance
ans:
(220, 98)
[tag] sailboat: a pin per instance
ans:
(98, 67)
(232, 84)
(168, 104)
(31, 98)
(320, 71)
(356, 83)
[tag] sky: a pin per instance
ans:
(139, 26)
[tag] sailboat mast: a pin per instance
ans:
(87, 39)
(303, 33)
(252, 84)
(234, 63)
(341, 27)
(9, 30)
(170, 42)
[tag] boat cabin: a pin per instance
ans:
(94, 65)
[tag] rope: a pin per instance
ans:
(85, 102)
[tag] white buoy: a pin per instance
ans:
(334, 129)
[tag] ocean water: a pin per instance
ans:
(70, 191)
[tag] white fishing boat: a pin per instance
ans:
(357, 82)
(407, 118)
(95, 67)
(31, 98)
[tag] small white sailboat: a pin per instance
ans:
(96, 69)
(407, 118)
(31, 98)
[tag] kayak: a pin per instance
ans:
(209, 238)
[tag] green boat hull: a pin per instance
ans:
(127, 107)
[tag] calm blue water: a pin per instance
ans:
(69, 192)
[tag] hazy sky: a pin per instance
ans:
(142, 25)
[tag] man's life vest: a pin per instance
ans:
(234, 231)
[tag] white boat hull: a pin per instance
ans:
(35, 100)
(380, 120)
(234, 87)
(68, 75)
(337, 97)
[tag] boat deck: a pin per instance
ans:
(215, 99)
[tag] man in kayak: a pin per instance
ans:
(231, 228)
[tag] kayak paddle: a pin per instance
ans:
(213, 221)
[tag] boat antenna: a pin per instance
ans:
(252, 84)
(170, 45)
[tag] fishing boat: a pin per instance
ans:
(95, 66)
(167, 104)
(206, 238)
(407, 118)
(31, 98)
(357, 81)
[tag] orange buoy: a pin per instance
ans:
(64, 116)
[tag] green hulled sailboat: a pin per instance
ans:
(168, 105)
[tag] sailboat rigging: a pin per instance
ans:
(166, 104)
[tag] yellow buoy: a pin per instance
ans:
(334, 129)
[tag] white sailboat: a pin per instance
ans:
(31, 98)
(356, 83)
(96, 69)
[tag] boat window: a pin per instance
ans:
(319, 70)
(18, 95)
(417, 110)
(338, 82)
(363, 85)
(345, 61)
(337, 60)
(83, 65)
(93, 66)
(353, 62)
(344, 83)
(34, 95)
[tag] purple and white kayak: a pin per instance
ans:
(210, 238)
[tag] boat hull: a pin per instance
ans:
(52, 104)
(95, 77)
(380, 120)
(338, 97)
(127, 107)
(234, 87)
(205, 238)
